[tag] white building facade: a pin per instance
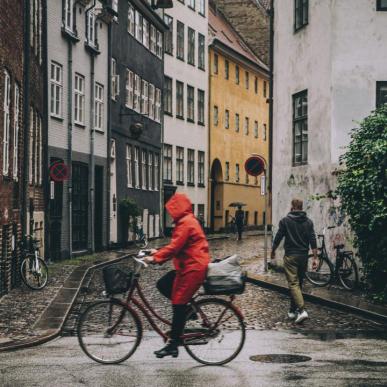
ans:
(185, 150)
(330, 71)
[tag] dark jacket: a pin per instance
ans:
(299, 234)
(239, 218)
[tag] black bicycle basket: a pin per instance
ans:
(116, 280)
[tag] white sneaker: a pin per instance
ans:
(292, 315)
(301, 317)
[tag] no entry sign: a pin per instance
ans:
(59, 172)
(255, 165)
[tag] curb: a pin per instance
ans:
(23, 344)
(259, 281)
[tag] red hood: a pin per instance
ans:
(178, 206)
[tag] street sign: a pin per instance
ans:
(255, 165)
(59, 172)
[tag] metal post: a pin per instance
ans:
(265, 225)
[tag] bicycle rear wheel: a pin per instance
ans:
(322, 275)
(34, 272)
(108, 332)
(141, 243)
(220, 329)
(348, 273)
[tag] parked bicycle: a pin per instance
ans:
(109, 331)
(33, 269)
(141, 240)
(344, 270)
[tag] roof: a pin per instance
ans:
(221, 30)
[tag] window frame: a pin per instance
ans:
(191, 50)
(226, 69)
(246, 126)
(179, 165)
(379, 86)
(131, 28)
(136, 167)
(237, 122)
(216, 64)
(227, 119)
(256, 129)
(167, 165)
(79, 99)
(157, 114)
(216, 115)
(300, 8)
(57, 85)
(296, 120)
(379, 6)
(190, 167)
(16, 129)
(180, 37)
(129, 166)
(202, 8)
(6, 122)
(129, 89)
(168, 35)
(99, 107)
(237, 75)
(190, 103)
(115, 80)
(227, 171)
(201, 168)
(201, 107)
(168, 95)
(179, 99)
(151, 100)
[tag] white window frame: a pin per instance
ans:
(40, 150)
(79, 99)
(139, 30)
(129, 166)
(145, 32)
(151, 99)
(159, 44)
(150, 171)
(99, 107)
(56, 90)
(115, 80)
(16, 112)
(153, 39)
(157, 105)
(144, 169)
(131, 21)
(31, 144)
(137, 93)
(144, 97)
(136, 167)
(202, 7)
(129, 88)
(91, 29)
(6, 120)
(156, 164)
(69, 15)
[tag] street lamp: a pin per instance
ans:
(162, 4)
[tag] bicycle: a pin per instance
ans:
(109, 331)
(141, 241)
(33, 269)
(344, 270)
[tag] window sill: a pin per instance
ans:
(300, 164)
(179, 183)
(168, 114)
(202, 68)
(201, 123)
(80, 125)
(200, 185)
(169, 182)
(191, 64)
(58, 118)
(93, 49)
(182, 59)
(99, 131)
(190, 120)
(202, 14)
(168, 53)
(300, 28)
(190, 184)
(71, 35)
(180, 118)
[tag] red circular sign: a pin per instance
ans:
(255, 165)
(59, 172)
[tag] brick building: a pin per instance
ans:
(11, 138)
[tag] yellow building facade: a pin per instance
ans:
(238, 125)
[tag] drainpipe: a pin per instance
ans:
(26, 114)
(70, 140)
(210, 210)
(92, 138)
(271, 101)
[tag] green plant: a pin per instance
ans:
(362, 189)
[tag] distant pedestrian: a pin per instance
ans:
(298, 231)
(239, 221)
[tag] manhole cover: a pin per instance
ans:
(282, 358)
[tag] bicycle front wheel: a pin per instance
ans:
(322, 275)
(219, 329)
(348, 273)
(108, 332)
(34, 272)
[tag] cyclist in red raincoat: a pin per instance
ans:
(189, 251)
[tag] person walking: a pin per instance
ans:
(298, 231)
(239, 221)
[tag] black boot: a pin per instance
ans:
(171, 349)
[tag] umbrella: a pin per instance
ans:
(237, 204)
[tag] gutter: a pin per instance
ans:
(70, 139)
(271, 100)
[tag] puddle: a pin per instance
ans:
(280, 358)
(340, 335)
(357, 362)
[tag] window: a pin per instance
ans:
(191, 4)
(145, 32)
(56, 90)
(91, 30)
(237, 122)
(256, 85)
(226, 69)
(150, 171)
(131, 21)
(247, 123)
(227, 171)
(6, 120)
(201, 161)
(381, 5)
(300, 128)
(191, 167)
(129, 95)
(115, 80)
(256, 129)
(137, 167)
(115, 7)
(144, 97)
(265, 89)
(190, 104)
(156, 176)
(255, 218)
(144, 170)
(158, 105)
(247, 79)
(159, 44)
(216, 116)
(180, 40)
(237, 173)
(201, 107)
(179, 99)
(153, 39)
(139, 30)
(79, 96)
(168, 35)
(202, 7)
(246, 178)
(168, 95)
(129, 166)
(216, 63)
(191, 46)
(300, 14)
(98, 108)
(137, 93)
(227, 119)
(16, 112)
(264, 132)
(69, 15)
(167, 149)
(381, 93)
(201, 52)
(179, 165)
(151, 100)
(237, 74)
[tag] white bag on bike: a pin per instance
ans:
(225, 277)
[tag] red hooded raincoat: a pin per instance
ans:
(188, 248)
